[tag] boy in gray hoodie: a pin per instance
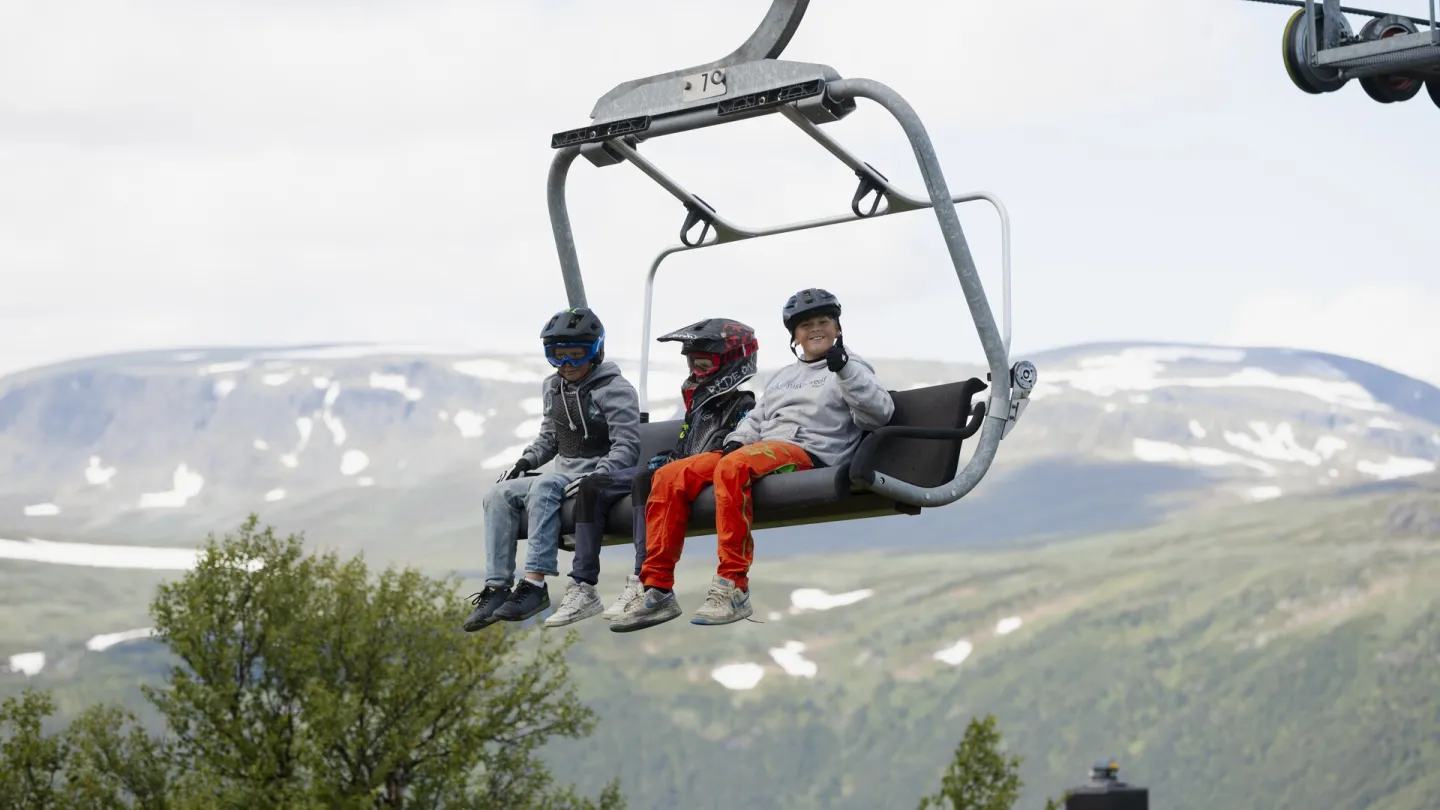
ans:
(811, 414)
(590, 424)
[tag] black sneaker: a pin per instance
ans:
(485, 603)
(527, 599)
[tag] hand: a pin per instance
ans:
(660, 461)
(837, 357)
(730, 447)
(521, 467)
(572, 486)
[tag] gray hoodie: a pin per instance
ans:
(823, 411)
(589, 426)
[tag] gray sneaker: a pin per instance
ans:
(633, 591)
(580, 602)
(655, 607)
(724, 604)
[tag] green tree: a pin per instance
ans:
(981, 777)
(301, 680)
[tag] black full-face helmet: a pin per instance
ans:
(730, 346)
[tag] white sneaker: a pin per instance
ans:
(580, 602)
(724, 604)
(633, 590)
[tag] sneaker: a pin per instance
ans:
(633, 591)
(724, 604)
(579, 602)
(655, 607)
(485, 603)
(525, 601)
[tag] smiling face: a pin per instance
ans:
(816, 335)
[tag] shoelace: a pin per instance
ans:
(717, 598)
(477, 598)
(521, 590)
(572, 595)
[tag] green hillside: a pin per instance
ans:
(1279, 655)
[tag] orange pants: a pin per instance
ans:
(677, 484)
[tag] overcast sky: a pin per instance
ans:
(265, 171)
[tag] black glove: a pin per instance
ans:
(837, 357)
(521, 467)
(730, 447)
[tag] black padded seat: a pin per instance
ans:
(921, 445)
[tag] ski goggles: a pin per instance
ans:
(590, 348)
(700, 373)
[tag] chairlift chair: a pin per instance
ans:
(911, 463)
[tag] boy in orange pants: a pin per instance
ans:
(811, 414)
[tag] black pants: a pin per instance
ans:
(597, 493)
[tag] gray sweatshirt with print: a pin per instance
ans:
(823, 411)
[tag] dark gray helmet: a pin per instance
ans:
(810, 302)
(579, 325)
(574, 328)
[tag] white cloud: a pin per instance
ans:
(265, 172)
(1391, 326)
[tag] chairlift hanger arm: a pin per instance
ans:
(767, 41)
(673, 103)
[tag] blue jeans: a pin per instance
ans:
(539, 497)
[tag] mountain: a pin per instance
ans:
(391, 448)
(1277, 654)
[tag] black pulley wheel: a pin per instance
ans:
(1389, 87)
(1297, 39)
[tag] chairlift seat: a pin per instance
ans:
(943, 416)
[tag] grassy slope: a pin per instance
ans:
(1281, 655)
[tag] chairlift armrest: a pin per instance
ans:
(862, 467)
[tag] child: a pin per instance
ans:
(722, 355)
(811, 414)
(591, 424)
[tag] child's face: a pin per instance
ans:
(816, 335)
(700, 364)
(572, 373)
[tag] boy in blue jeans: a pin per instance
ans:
(591, 424)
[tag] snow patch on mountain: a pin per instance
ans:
(470, 424)
(353, 462)
(1169, 452)
(105, 641)
(27, 664)
(1143, 368)
(738, 677)
(97, 474)
(501, 371)
(1394, 467)
(185, 484)
(790, 659)
(397, 383)
(42, 510)
(92, 555)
